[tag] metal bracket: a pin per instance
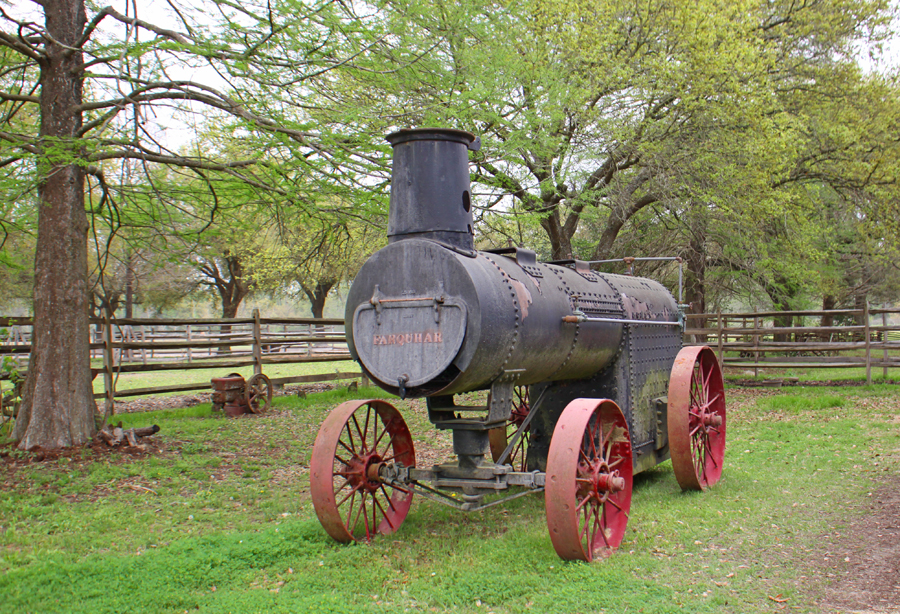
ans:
(501, 396)
(525, 258)
(581, 267)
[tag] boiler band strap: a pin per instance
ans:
(579, 319)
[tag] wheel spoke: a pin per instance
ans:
(384, 431)
(350, 513)
(612, 502)
(362, 438)
(365, 514)
(597, 526)
(341, 487)
(345, 446)
(585, 524)
(390, 502)
(586, 499)
(350, 494)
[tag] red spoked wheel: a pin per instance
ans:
(696, 418)
(349, 496)
(500, 437)
(589, 480)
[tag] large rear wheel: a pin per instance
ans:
(696, 418)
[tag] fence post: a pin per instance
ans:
(721, 341)
(868, 343)
(190, 339)
(756, 345)
(108, 359)
(884, 342)
(257, 343)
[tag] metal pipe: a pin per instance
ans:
(659, 258)
(579, 319)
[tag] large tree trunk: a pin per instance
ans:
(318, 294)
(828, 303)
(695, 280)
(58, 405)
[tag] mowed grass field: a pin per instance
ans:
(218, 518)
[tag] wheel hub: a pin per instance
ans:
(597, 482)
(362, 471)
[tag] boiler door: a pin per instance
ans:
(408, 339)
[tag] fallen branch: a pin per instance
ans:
(116, 435)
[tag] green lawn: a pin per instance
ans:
(221, 521)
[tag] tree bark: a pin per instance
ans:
(695, 280)
(828, 303)
(318, 294)
(58, 407)
(129, 285)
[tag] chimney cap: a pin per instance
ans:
(433, 134)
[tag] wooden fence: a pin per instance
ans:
(855, 338)
(850, 338)
(147, 344)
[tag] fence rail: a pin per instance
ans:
(840, 338)
(156, 344)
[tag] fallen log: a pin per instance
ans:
(116, 435)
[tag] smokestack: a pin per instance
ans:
(430, 191)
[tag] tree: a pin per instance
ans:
(699, 115)
(311, 260)
(96, 81)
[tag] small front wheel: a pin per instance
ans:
(350, 498)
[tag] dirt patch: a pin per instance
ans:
(11, 457)
(864, 562)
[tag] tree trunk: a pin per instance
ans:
(828, 303)
(318, 295)
(229, 310)
(782, 293)
(129, 286)
(560, 240)
(58, 405)
(695, 281)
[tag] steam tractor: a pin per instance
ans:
(588, 381)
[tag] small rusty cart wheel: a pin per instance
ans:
(349, 496)
(499, 437)
(589, 480)
(696, 418)
(258, 393)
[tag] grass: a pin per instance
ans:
(221, 521)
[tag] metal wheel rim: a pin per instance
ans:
(350, 501)
(258, 393)
(587, 504)
(697, 418)
(499, 437)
